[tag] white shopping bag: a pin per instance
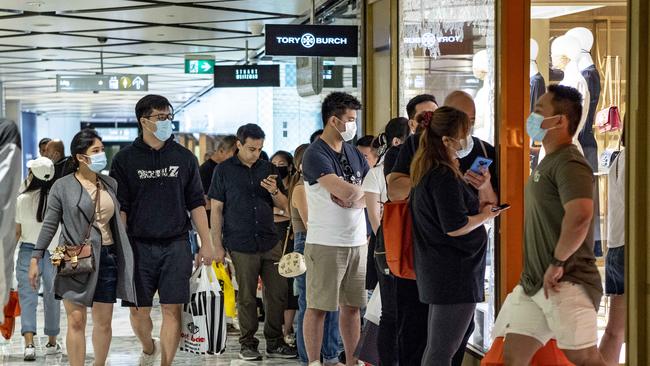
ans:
(373, 309)
(203, 328)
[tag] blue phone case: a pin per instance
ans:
(480, 162)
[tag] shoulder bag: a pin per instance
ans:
(609, 118)
(79, 258)
(291, 264)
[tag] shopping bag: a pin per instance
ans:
(203, 328)
(373, 309)
(11, 310)
(227, 288)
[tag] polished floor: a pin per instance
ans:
(125, 348)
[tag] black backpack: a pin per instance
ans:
(380, 252)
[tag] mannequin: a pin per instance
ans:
(591, 75)
(483, 127)
(537, 83)
(565, 51)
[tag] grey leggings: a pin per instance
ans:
(447, 327)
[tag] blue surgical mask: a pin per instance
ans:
(534, 127)
(163, 130)
(97, 162)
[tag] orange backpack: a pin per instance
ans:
(397, 228)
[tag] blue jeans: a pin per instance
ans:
(28, 297)
(330, 348)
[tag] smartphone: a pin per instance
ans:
(502, 207)
(479, 163)
(273, 176)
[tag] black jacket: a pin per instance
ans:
(157, 188)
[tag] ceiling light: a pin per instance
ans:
(171, 15)
(42, 25)
(160, 34)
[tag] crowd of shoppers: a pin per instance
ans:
(326, 202)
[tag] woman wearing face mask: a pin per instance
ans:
(449, 237)
(284, 162)
(84, 204)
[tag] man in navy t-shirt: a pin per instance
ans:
(336, 249)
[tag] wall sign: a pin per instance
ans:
(312, 40)
(449, 43)
(242, 76)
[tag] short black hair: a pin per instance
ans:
(148, 103)
(44, 141)
(314, 136)
(337, 103)
(251, 131)
(81, 142)
(365, 141)
(264, 156)
(567, 101)
(397, 127)
(410, 107)
(227, 143)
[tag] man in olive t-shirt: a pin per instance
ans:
(560, 287)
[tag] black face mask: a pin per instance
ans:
(283, 171)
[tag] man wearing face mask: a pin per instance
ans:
(560, 288)
(158, 184)
(336, 249)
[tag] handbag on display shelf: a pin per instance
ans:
(609, 118)
(75, 259)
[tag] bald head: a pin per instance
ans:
(55, 150)
(463, 102)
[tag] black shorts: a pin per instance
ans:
(163, 267)
(106, 288)
(615, 271)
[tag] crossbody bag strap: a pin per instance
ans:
(286, 240)
(483, 147)
(98, 195)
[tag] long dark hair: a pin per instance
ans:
(81, 142)
(432, 152)
(44, 187)
(297, 160)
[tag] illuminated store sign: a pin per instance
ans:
(242, 76)
(312, 40)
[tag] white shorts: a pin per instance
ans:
(568, 316)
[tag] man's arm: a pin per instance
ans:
(216, 221)
(344, 191)
(208, 251)
(399, 186)
(575, 227)
(374, 210)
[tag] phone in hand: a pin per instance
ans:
(273, 176)
(480, 163)
(502, 207)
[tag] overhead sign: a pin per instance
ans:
(312, 40)
(199, 66)
(125, 82)
(242, 76)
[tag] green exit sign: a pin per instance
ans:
(199, 66)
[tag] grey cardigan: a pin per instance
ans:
(70, 205)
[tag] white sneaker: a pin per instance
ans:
(148, 360)
(52, 349)
(30, 353)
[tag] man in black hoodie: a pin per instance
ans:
(158, 184)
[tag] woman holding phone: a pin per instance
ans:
(84, 204)
(449, 238)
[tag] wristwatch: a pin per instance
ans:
(557, 263)
(276, 192)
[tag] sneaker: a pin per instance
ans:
(249, 353)
(30, 353)
(148, 360)
(282, 351)
(52, 349)
(290, 339)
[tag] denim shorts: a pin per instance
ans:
(106, 288)
(615, 271)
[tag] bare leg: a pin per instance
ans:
(312, 328)
(289, 315)
(612, 342)
(76, 338)
(29, 338)
(520, 349)
(350, 325)
(102, 331)
(142, 327)
(51, 339)
(585, 357)
(170, 332)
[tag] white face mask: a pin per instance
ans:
(467, 145)
(350, 130)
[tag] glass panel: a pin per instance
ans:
(448, 45)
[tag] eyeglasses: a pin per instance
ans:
(162, 117)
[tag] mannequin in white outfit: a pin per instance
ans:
(483, 127)
(565, 52)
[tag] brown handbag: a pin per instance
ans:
(80, 258)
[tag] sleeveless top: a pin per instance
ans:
(296, 220)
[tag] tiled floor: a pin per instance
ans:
(125, 348)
